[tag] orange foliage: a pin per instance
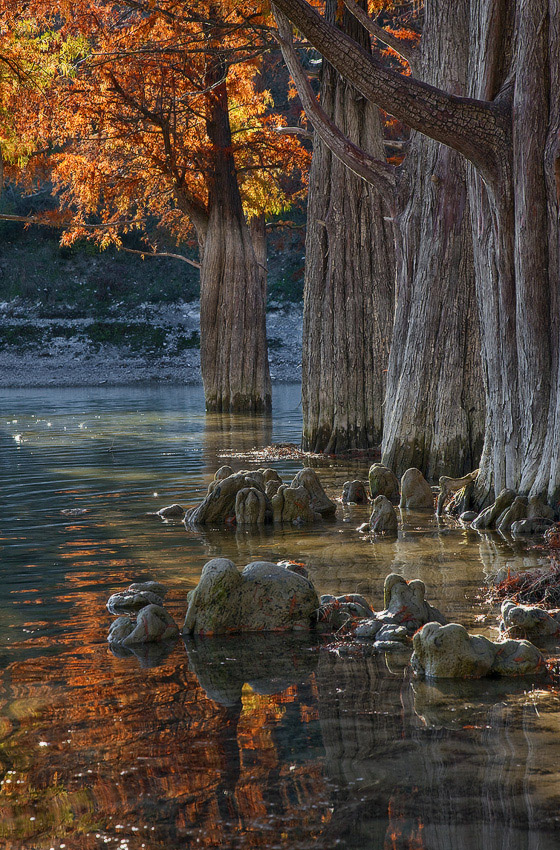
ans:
(130, 141)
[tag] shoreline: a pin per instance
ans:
(66, 357)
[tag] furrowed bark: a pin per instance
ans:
(434, 411)
(349, 280)
(233, 350)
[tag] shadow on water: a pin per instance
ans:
(243, 742)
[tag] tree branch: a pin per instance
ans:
(477, 129)
(396, 44)
(293, 131)
(375, 172)
(149, 254)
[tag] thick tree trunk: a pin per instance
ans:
(349, 280)
(233, 350)
(517, 256)
(509, 130)
(434, 411)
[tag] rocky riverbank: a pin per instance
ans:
(150, 344)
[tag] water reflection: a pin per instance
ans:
(243, 742)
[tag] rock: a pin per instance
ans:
(218, 506)
(516, 511)
(151, 586)
(252, 507)
(450, 652)
(537, 507)
(488, 517)
(223, 472)
(405, 605)
(293, 504)
(336, 611)
(272, 487)
(269, 475)
(383, 519)
(153, 625)
(518, 658)
(535, 525)
(295, 567)
(383, 482)
(172, 512)
(529, 621)
(130, 601)
(263, 597)
(453, 485)
(468, 516)
(318, 499)
(416, 493)
(354, 492)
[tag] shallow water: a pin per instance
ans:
(253, 742)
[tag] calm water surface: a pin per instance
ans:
(253, 742)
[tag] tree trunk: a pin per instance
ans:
(509, 130)
(435, 400)
(349, 280)
(233, 351)
(517, 257)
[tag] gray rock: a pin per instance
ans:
(488, 518)
(263, 597)
(318, 499)
(153, 625)
(450, 652)
(535, 525)
(223, 472)
(354, 492)
(172, 512)
(516, 511)
(468, 516)
(150, 586)
(252, 507)
(383, 482)
(293, 505)
(405, 606)
(537, 507)
(218, 506)
(416, 493)
(130, 601)
(529, 621)
(383, 519)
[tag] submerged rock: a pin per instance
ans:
(263, 597)
(335, 612)
(416, 493)
(252, 507)
(450, 652)
(218, 506)
(468, 516)
(405, 605)
(448, 486)
(318, 499)
(535, 525)
(132, 600)
(171, 512)
(529, 621)
(383, 518)
(488, 518)
(383, 482)
(293, 504)
(516, 511)
(354, 492)
(537, 507)
(152, 625)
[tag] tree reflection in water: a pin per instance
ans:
(270, 741)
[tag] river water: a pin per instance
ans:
(246, 742)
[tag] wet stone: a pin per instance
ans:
(383, 482)
(416, 493)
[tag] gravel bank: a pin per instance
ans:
(60, 352)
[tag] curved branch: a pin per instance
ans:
(375, 172)
(396, 44)
(148, 254)
(477, 129)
